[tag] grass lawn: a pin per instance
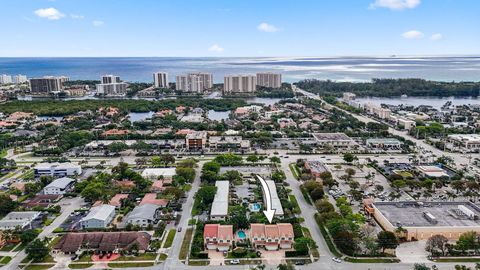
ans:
(460, 260)
(306, 196)
(140, 257)
(294, 169)
(125, 265)
(313, 251)
(85, 257)
(3, 153)
(198, 263)
(8, 247)
(80, 265)
(328, 240)
(163, 257)
(296, 207)
(5, 260)
(372, 260)
(186, 244)
(20, 247)
(170, 236)
(38, 267)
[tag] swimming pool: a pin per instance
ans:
(255, 207)
(241, 234)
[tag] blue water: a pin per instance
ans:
(458, 68)
(241, 234)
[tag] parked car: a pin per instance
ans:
(235, 261)
(179, 229)
(337, 260)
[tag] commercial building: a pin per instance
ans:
(219, 209)
(421, 220)
(218, 237)
(406, 124)
(316, 168)
(98, 217)
(269, 80)
(194, 82)
(384, 143)
(102, 242)
(239, 84)
(334, 140)
(59, 186)
(196, 140)
(228, 143)
(272, 236)
(160, 79)
(57, 169)
(22, 220)
(5, 79)
(431, 171)
(466, 143)
(47, 85)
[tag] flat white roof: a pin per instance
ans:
(60, 183)
(157, 172)
(276, 204)
(101, 212)
(220, 202)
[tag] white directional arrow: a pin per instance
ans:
(267, 196)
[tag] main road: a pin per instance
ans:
(458, 158)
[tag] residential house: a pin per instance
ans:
(272, 236)
(218, 237)
(98, 217)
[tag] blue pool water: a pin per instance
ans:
(254, 207)
(241, 234)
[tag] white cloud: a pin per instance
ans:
(395, 4)
(216, 48)
(49, 13)
(265, 27)
(98, 23)
(413, 34)
(436, 36)
(76, 16)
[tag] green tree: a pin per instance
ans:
(28, 236)
(349, 157)
(387, 240)
(167, 159)
(117, 147)
(6, 204)
(37, 250)
(211, 166)
(252, 158)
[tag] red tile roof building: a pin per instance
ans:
(218, 237)
(103, 241)
(273, 236)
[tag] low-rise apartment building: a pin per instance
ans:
(218, 237)
(272, 236)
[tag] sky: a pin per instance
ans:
(250, 28)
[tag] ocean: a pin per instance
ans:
(140, 69)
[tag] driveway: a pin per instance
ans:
(412, 252)
(273, 257)
(216, 257)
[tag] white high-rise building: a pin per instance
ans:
(160, 79)
(194, 82)
(110, 79)
(19, 79)
(5, 79)
(112, 86)
(240, 84)
(270, 80)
